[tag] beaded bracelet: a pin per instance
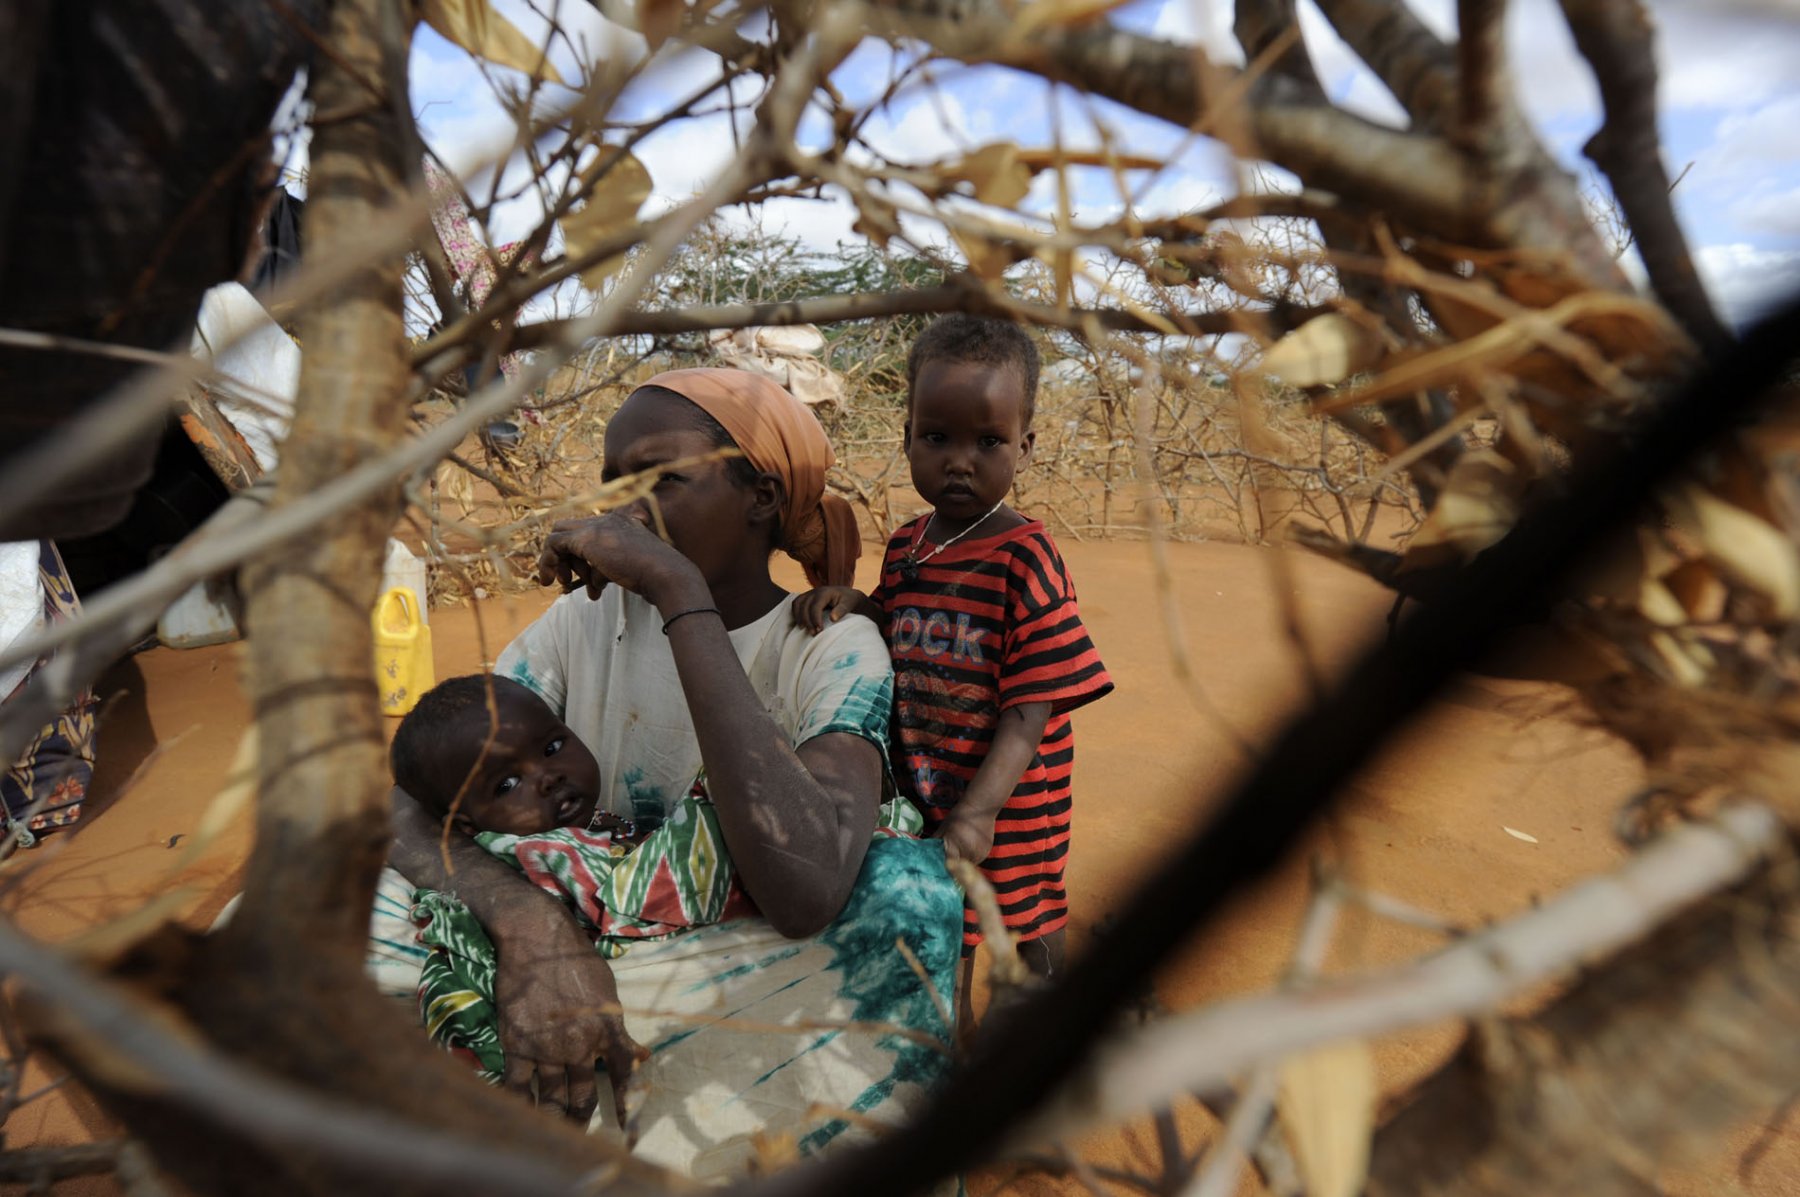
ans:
(690, 611)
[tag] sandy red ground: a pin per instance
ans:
(1424, 822)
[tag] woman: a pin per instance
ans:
(678, 657)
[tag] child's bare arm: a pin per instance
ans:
(828, 604)
(968, 833)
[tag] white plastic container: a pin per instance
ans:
(200, 617)
(404, 570)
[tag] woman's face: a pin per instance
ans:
(706, 513)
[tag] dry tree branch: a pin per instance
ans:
(1616, 38)
(1418, 178)
(141, 1048)
(1474, 976)
(40, 1167)
(1411, 61)
(1645, 1063)
(964, 295)
(1481, 72)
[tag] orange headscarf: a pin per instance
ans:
(780, 436)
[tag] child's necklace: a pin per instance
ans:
(909, 564)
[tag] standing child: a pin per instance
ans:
(990, 654)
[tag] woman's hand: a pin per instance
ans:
(615, 547)
(559, 1012)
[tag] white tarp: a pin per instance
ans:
(260, 364)
(21, 604)
(788, 354)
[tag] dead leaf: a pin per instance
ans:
(878, 222)
(1520, 835)
(659, 20)
(1324, 351)
(477, 28)
(773, 1151)
(1478, 505)
(1748, 551)
(621, 185)
(1688, 664)
(997, 173)
(1327, 1109)
(987, 261)
(1697, 586)
(1658, 604)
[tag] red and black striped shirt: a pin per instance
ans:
(990, 622)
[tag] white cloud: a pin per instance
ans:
(1770, 133)
(1746, 280)
(685, 156)
(1718, 56)
(925, 129)
(1771, 211)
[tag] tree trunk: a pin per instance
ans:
(1646, 1063)
(282, 988)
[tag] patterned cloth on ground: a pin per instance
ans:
(46, 786)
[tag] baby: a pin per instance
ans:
(989, 651)
(514, 777)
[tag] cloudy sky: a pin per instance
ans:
(1730, 105)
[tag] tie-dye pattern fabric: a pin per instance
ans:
(680, 877)
(757, 1038)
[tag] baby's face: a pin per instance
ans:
(535, 775)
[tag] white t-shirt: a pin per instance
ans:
(605, 666)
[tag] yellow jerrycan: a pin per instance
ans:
(403, 668)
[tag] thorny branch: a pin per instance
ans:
(1616, 38)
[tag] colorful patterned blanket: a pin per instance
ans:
(677, 879)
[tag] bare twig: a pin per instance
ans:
(1481, 70)
(1616, 38)
(1411, 61)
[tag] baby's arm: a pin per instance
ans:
(968, 833)
(828, 604)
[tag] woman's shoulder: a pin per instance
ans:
(839, 680)
(852, 644)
